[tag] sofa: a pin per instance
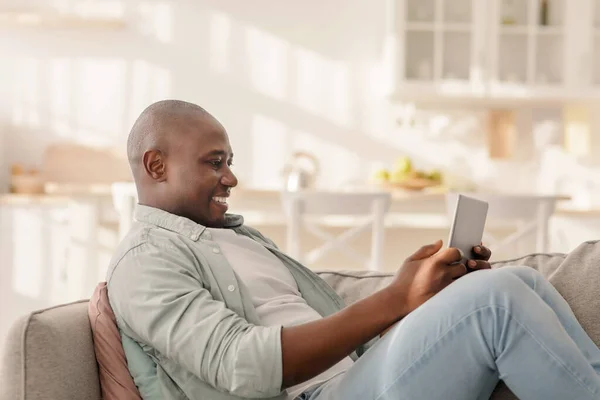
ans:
(49, 354)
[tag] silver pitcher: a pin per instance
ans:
(301, 172)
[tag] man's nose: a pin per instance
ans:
(229, 179)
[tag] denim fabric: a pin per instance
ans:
(506, 324)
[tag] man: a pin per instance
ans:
(208, 308)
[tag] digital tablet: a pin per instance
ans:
(468, 225)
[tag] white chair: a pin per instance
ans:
(124, 196)
(530, 214)
(305, 209)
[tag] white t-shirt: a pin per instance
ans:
(273, 290)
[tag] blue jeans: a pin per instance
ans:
(505, 324)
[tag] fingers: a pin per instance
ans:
(482, 252)
(426, 251)
(479, 264)
(456, 270)
(449, 255)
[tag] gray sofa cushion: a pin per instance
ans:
(50, 355)
(575, 275)
(355, 285)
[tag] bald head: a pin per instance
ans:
(157, 127)
(181, 160)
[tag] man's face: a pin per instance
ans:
(199, 172)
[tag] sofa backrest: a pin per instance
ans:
(49, 354)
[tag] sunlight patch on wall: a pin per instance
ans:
(269, 151)
(163, 22)
(26, 95)
(283, 71)
(322, 86)
(310, 82)
(149, 83)
(268, 62)
(219, 41)
(157, 20)
(377, 109)
(337, 99)
(99, 102)
(60, 97)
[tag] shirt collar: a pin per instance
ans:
(177, 224)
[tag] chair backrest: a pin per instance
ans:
(125, 198)
(507, 206)
(317, 203)
(304, 209)
(529, 213)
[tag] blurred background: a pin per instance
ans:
(377, 109)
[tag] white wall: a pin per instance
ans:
(281, 76)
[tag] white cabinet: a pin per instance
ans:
(436, 49)
(528, 56)
(496, 50)
(590, 44)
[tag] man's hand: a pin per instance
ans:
(425, 273)
(430, 270)
(481, 259)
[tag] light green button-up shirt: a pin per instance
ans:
(187, 322)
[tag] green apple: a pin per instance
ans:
(381, 175)
(435, 175)
(398, 175)
(403, 164)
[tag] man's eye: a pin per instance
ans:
(215, 163)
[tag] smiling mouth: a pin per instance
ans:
(220, 200)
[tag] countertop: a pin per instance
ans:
(253, 201)
(12, 199)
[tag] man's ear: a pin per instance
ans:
(155, 165)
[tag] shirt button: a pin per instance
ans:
(231, 288)
(216, 250)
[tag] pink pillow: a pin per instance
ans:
(115, 380)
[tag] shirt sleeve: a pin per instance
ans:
(158, 295)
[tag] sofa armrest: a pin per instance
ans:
(49, 354)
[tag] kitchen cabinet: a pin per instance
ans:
(589, 45)
(496, 51)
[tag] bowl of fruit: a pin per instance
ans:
(403, 175)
